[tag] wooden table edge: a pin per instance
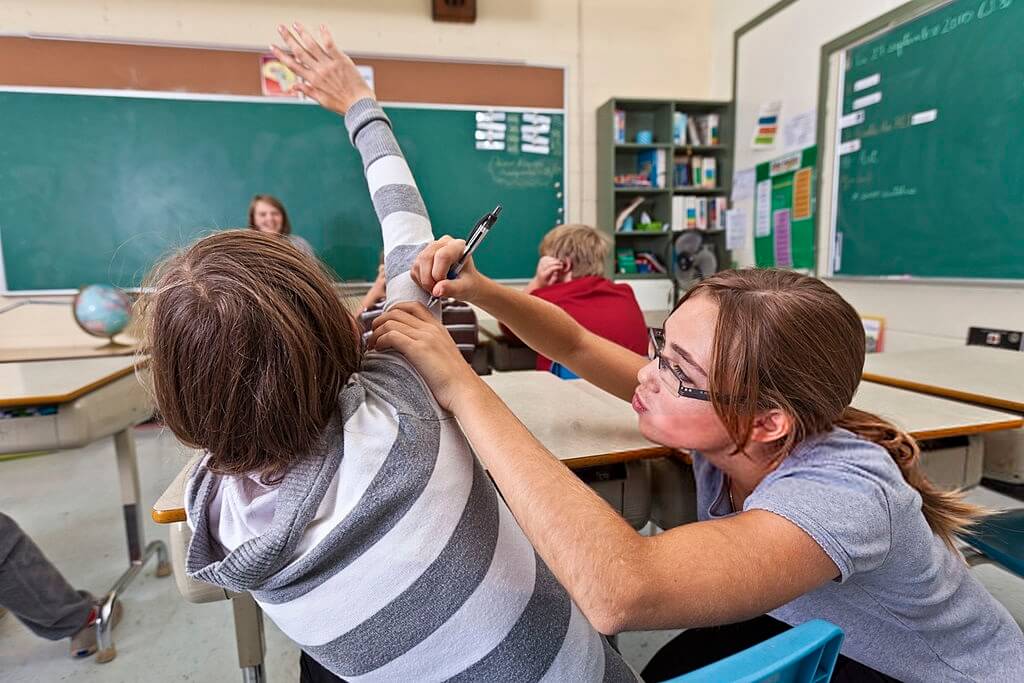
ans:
(925, 434)
(967, 396)
(71, 396)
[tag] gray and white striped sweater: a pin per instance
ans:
(387, 554)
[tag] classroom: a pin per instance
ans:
(423, 340)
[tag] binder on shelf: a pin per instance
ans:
(708, 174)
(619, 125)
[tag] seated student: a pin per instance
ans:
(333, 488)
(35, 592)
(570, 274)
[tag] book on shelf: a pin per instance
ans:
(625, 260)
(696, 130)
(695, 171)
(692, 131)
(679, 124)
(709, 178)
(647, 262)
(653, 164)
(619, 126)
(690, 212)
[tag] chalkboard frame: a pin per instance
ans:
(213, 97)
(831, 64)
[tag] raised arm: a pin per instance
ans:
(331, 78)
(543, 326)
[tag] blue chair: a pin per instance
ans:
(804, 654)
(999, 538)
(560, 370)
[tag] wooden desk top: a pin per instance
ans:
(592, 428)
(930, 417)
(58, 381)
(990, 377)
(38, 353)
(580, 424)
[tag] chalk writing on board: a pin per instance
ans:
(942, 26)
(523, 172)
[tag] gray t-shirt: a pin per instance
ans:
(908, 605)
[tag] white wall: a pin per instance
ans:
(779, 59)
(644, 48)
(728, 16)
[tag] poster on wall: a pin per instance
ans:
(785, 208)
(277, 80)
(766, 129)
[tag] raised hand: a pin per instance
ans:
(328, 75)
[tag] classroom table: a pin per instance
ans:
(975, 374)
(590, 428)
(38, 353)
(64, 404)
(989, 377)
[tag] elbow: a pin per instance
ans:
(610, 623)
(615, 605)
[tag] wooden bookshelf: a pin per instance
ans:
(615, 158)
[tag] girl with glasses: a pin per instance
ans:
(808, 508)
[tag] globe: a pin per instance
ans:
(102, 310)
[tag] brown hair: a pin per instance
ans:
(286, 225)
(789, 342)
(249, 347)
(585, 247)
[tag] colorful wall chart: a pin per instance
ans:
(784, 211)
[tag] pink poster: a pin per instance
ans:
(782, 238)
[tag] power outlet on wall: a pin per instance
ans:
(1000, 339)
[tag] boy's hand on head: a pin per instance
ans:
(430, 270)
(411, 330)
(328, 75)
(549, 270)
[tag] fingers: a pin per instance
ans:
(421, 267)
(307, 55)
(446, 257)
(327, 40)
(410, 313)
(291, 62)
(393, 339)
(310, 43)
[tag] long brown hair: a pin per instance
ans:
(789, 342)
(249, 347)
(286, 224)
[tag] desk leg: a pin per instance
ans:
(128, 472)
(249, 637)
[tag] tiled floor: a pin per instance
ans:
(69, 503)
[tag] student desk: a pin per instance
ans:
(976, 374)
(64, 352)
(63, 404)
(581, 425)
(989, 377)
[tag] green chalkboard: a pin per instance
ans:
(931, 181)
(96, 188)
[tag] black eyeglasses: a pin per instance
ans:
(674, 378)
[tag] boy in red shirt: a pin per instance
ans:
(570, 274)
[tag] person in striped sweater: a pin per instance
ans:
(333, 488)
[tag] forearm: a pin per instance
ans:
(552, 332)
(588, 546)
(405, 225)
